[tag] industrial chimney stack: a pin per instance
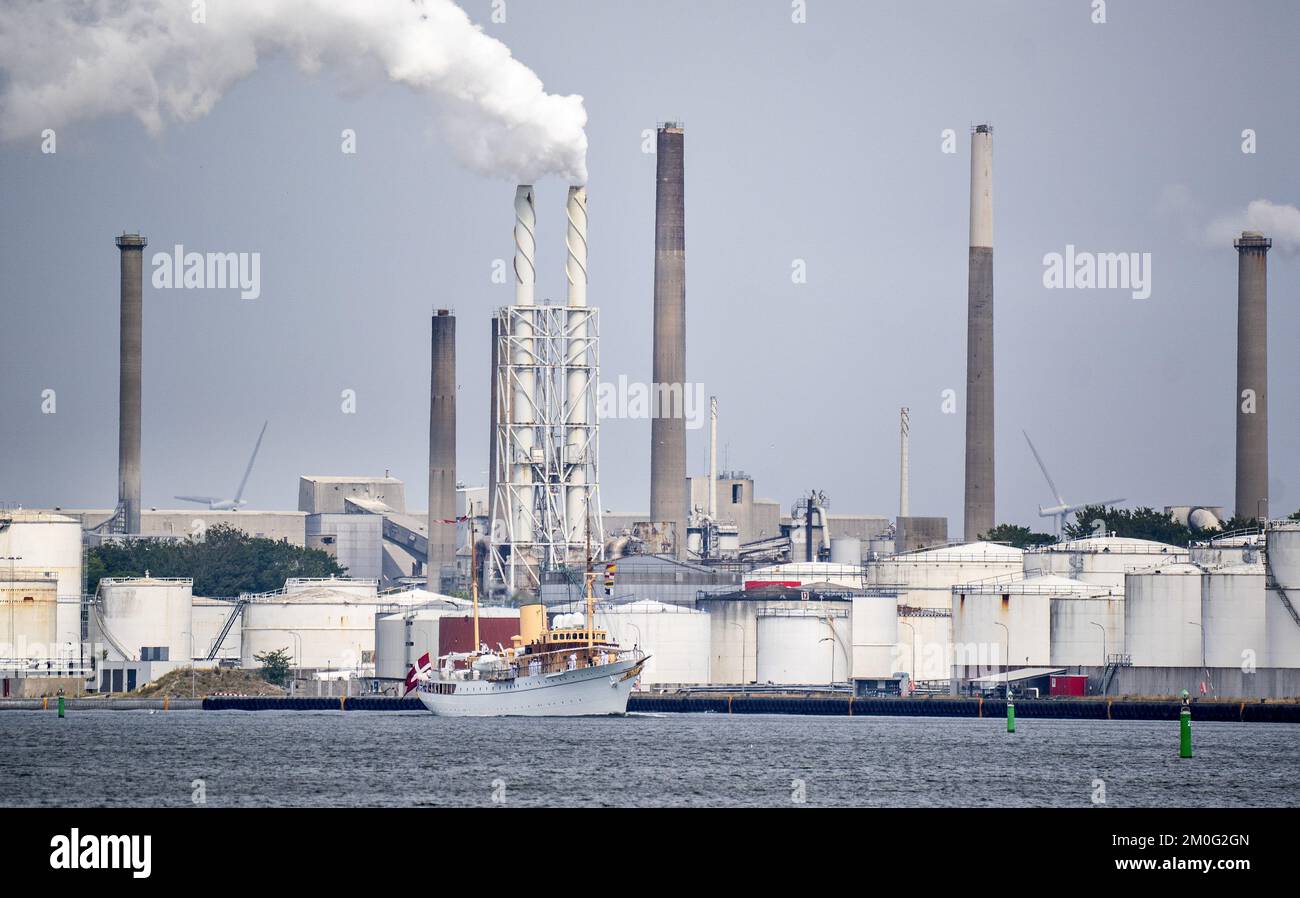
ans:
(668, 499)
(979, 340)
(441, 562)
(1252, 374)
(131, 247)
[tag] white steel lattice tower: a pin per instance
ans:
(547, 437)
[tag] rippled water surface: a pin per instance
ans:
(96, 758)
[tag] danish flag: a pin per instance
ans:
(417, 669)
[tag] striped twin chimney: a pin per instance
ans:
(979, 511)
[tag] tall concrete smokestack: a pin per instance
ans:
(131, 247)
(979, 340)
(668, 499)
(1252, 374)
(442, 450)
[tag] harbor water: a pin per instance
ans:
(295, 758)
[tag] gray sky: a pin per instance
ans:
(817, 141)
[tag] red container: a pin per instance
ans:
(1068, 684)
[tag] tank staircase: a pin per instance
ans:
(225, 630)
(1113, 664)
(1270, 582)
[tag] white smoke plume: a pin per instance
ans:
(1281, 222)
(71, 60)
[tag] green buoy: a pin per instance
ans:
(1185, 728)
(1011, 717)
(60, 706)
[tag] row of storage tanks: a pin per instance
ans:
(932, 613)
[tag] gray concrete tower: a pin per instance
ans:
(668, 499)
(131, 247)
(1252, 374)
(980, 516)
(442, 451)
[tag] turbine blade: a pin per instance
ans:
(1060, 500)
(202, 500)
(258, 445)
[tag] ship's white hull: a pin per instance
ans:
(587, 691)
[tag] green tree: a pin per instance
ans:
(275, 666)
(1137, 523)
(1015, 535)
(226, 562)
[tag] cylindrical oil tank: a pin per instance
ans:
(1103, 560)
(1232, 616)
(139, 616)
(875, 636)
(1162, 616)
(1283, 598)
(208, 618)
(803, 647)
(1227, 550)
(1284, 553)
(359, 587)
(999, 625)
(42, 541)
(1087, 625)
(322, 628)
(923, 582)
(28, 616)
(846, 550)
(393, 656)
(676, 638)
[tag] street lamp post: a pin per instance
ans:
(744, 649)
(1006, 674)
(1103, 641)
(903, 623)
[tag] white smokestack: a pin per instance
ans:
(576, 449)
(904, 432)
(65, 62)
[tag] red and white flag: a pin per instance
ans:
(413, 675)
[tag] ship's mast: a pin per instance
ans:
(590, 576)
(473, 578)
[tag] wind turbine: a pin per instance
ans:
(234, 504)
(1061, 510)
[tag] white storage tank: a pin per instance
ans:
(322, 627)
(803, 647)
(393, 657)
(846, 550)
(1242, 549)
(1087, 624)
(923, 582)
(1101, 559)
(1162, 616)
(44, 541)
(676, 638)
(999, 624)
(1232, 616)
(144, 618)
(876, 654)
(208, 618)
(1283, 561)
(28, 615)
